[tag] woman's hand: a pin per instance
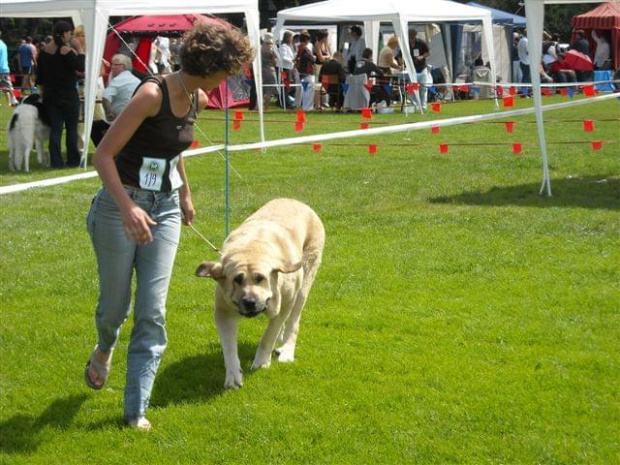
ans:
(137, 224)
(187, 209)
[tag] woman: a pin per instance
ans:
(323, 54)
(135, 219)
(269, 60)
(59, 65)
(386, 61)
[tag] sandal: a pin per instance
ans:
(102, 369)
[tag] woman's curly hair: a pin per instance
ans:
(210, 47)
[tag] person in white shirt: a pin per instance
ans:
(524, 59)
(116, 96)
(603, 52)
(358, 45)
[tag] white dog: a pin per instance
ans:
(28, 128)
(267, 266)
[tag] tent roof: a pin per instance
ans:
(500, 16)
(155, 25)
(604, 16)
(384, 10)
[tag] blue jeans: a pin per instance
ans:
(117, 258)
(63, 110)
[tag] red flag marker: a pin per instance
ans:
(510, 125)
(512, 90)
(435, 129)
(589, 91)
(299, 126)
(517, 148)
(239, 116)
(17, 93)
(464, 88)
(364, 125)
(194, 144)
(317, 147)
(372, 149)
(563, 92)
(597, 144)
(509, 101)
(301, 116)
(411, 88)
(443, 148)
(366, 113)
(499, 90)
(436, 107)
(546, 91)
(588, 125)
(236, 125)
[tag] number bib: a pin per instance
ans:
(153, 172)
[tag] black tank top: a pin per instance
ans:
(149, 159)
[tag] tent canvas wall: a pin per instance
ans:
(398, 12)
(605, 17)
(94, 16)
(138, 34)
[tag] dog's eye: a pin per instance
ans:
(238, 279)
(259, 278)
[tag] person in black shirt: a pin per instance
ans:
(59, 65)
(419, 53)
(334, 68)
(135, 219)
(366, 66)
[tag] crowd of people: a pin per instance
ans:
(554, 67)
(312, 74)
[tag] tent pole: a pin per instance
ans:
(227, 168)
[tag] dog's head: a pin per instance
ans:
(247, 282)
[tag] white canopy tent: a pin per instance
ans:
(94, 16)
(399, 12)
(535, 14)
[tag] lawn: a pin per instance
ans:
(458, 316)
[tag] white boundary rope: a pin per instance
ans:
(325, 137)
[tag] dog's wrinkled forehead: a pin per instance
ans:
(241, 269)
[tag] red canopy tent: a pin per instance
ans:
(138, 33)
(605, 17)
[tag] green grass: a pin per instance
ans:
(458, 317)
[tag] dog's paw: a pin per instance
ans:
(260, 362)
(285, 354)
(234, 379)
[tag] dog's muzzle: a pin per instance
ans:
(250, 308)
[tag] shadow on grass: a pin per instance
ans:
(19, 434)
(197, 378)
(596, 192)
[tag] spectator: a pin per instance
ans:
(163, 57)
(516, 64)
(334, 91)
(5, 74)
(323, 53)
(305, 64)
(175, 49)
(524, 59)
(419, 53)
(603, 52)
(59, 65)
(387, 63)
(116, 96)
(287, 60)
(581, 44)
(356, 48)
(27, 56)
(366, 66)
(561, 72)
(135, 219)
(269, 60)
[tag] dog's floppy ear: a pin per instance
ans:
(288, 267)
(210, 270)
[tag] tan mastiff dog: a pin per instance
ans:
(268, 265)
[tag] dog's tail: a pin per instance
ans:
(13, 122)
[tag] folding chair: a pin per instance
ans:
(333, 88)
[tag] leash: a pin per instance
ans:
(215, 249)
